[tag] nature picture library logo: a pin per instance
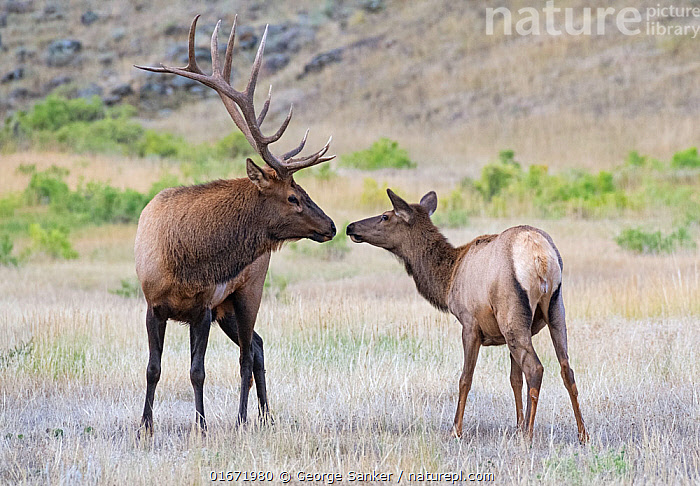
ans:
(660, 20)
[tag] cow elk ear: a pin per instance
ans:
(257, 175)
(429, 202)
(402, 209)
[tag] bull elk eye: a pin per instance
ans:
(384, 217)
(293, 199)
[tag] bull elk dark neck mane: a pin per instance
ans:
(215, 253)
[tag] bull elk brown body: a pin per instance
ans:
(502, 288)
(202, 252)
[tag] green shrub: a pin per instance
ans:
(686, 159)
(47, 187)
(373, 195)
(322, 172)
(8, 205)
(167, 180)
(109, 135)
(233, 146)
(54, 112)
(129, 288)
(88, 126)
(505, 187)
(495, 178)
(383, 154)
(452, 211)
(100, 203)
(53, 242)
(635, 160)
(161, 144)
(94, 202)
(6, 247)
(640, 241)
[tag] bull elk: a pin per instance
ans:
(502, 288)
(202, 251)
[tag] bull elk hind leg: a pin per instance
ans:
(239, 312)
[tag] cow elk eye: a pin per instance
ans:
(293, 199)
(384, 217)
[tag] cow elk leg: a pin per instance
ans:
(557, 329)
(516, 382)
(471, 343)
(523, 352)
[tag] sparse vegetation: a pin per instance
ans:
(86, 125)
(383, 154)
(129, 288)
(6, 246)
(640, 241)
(686, 159)
(53, 242)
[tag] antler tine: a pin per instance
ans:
(215, 67)
(250, 89)
(294, 165)
(191, 60)
(191, 68)
(229, 52)
(298, 149)
(240, 104)
(280, 131)
(266, 106)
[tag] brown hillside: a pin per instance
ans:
(424, 73)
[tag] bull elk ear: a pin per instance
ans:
(402, 209)
(429, 202)
(257, 175)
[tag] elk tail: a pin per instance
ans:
(541, 269)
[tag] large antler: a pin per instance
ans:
(233, 100)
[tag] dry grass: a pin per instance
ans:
(362, 374)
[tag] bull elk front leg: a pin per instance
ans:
(155, 327)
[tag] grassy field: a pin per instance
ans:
(362, 373)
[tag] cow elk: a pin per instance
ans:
(202, 252)
(502, 288)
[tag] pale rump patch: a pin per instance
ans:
(535, 263)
